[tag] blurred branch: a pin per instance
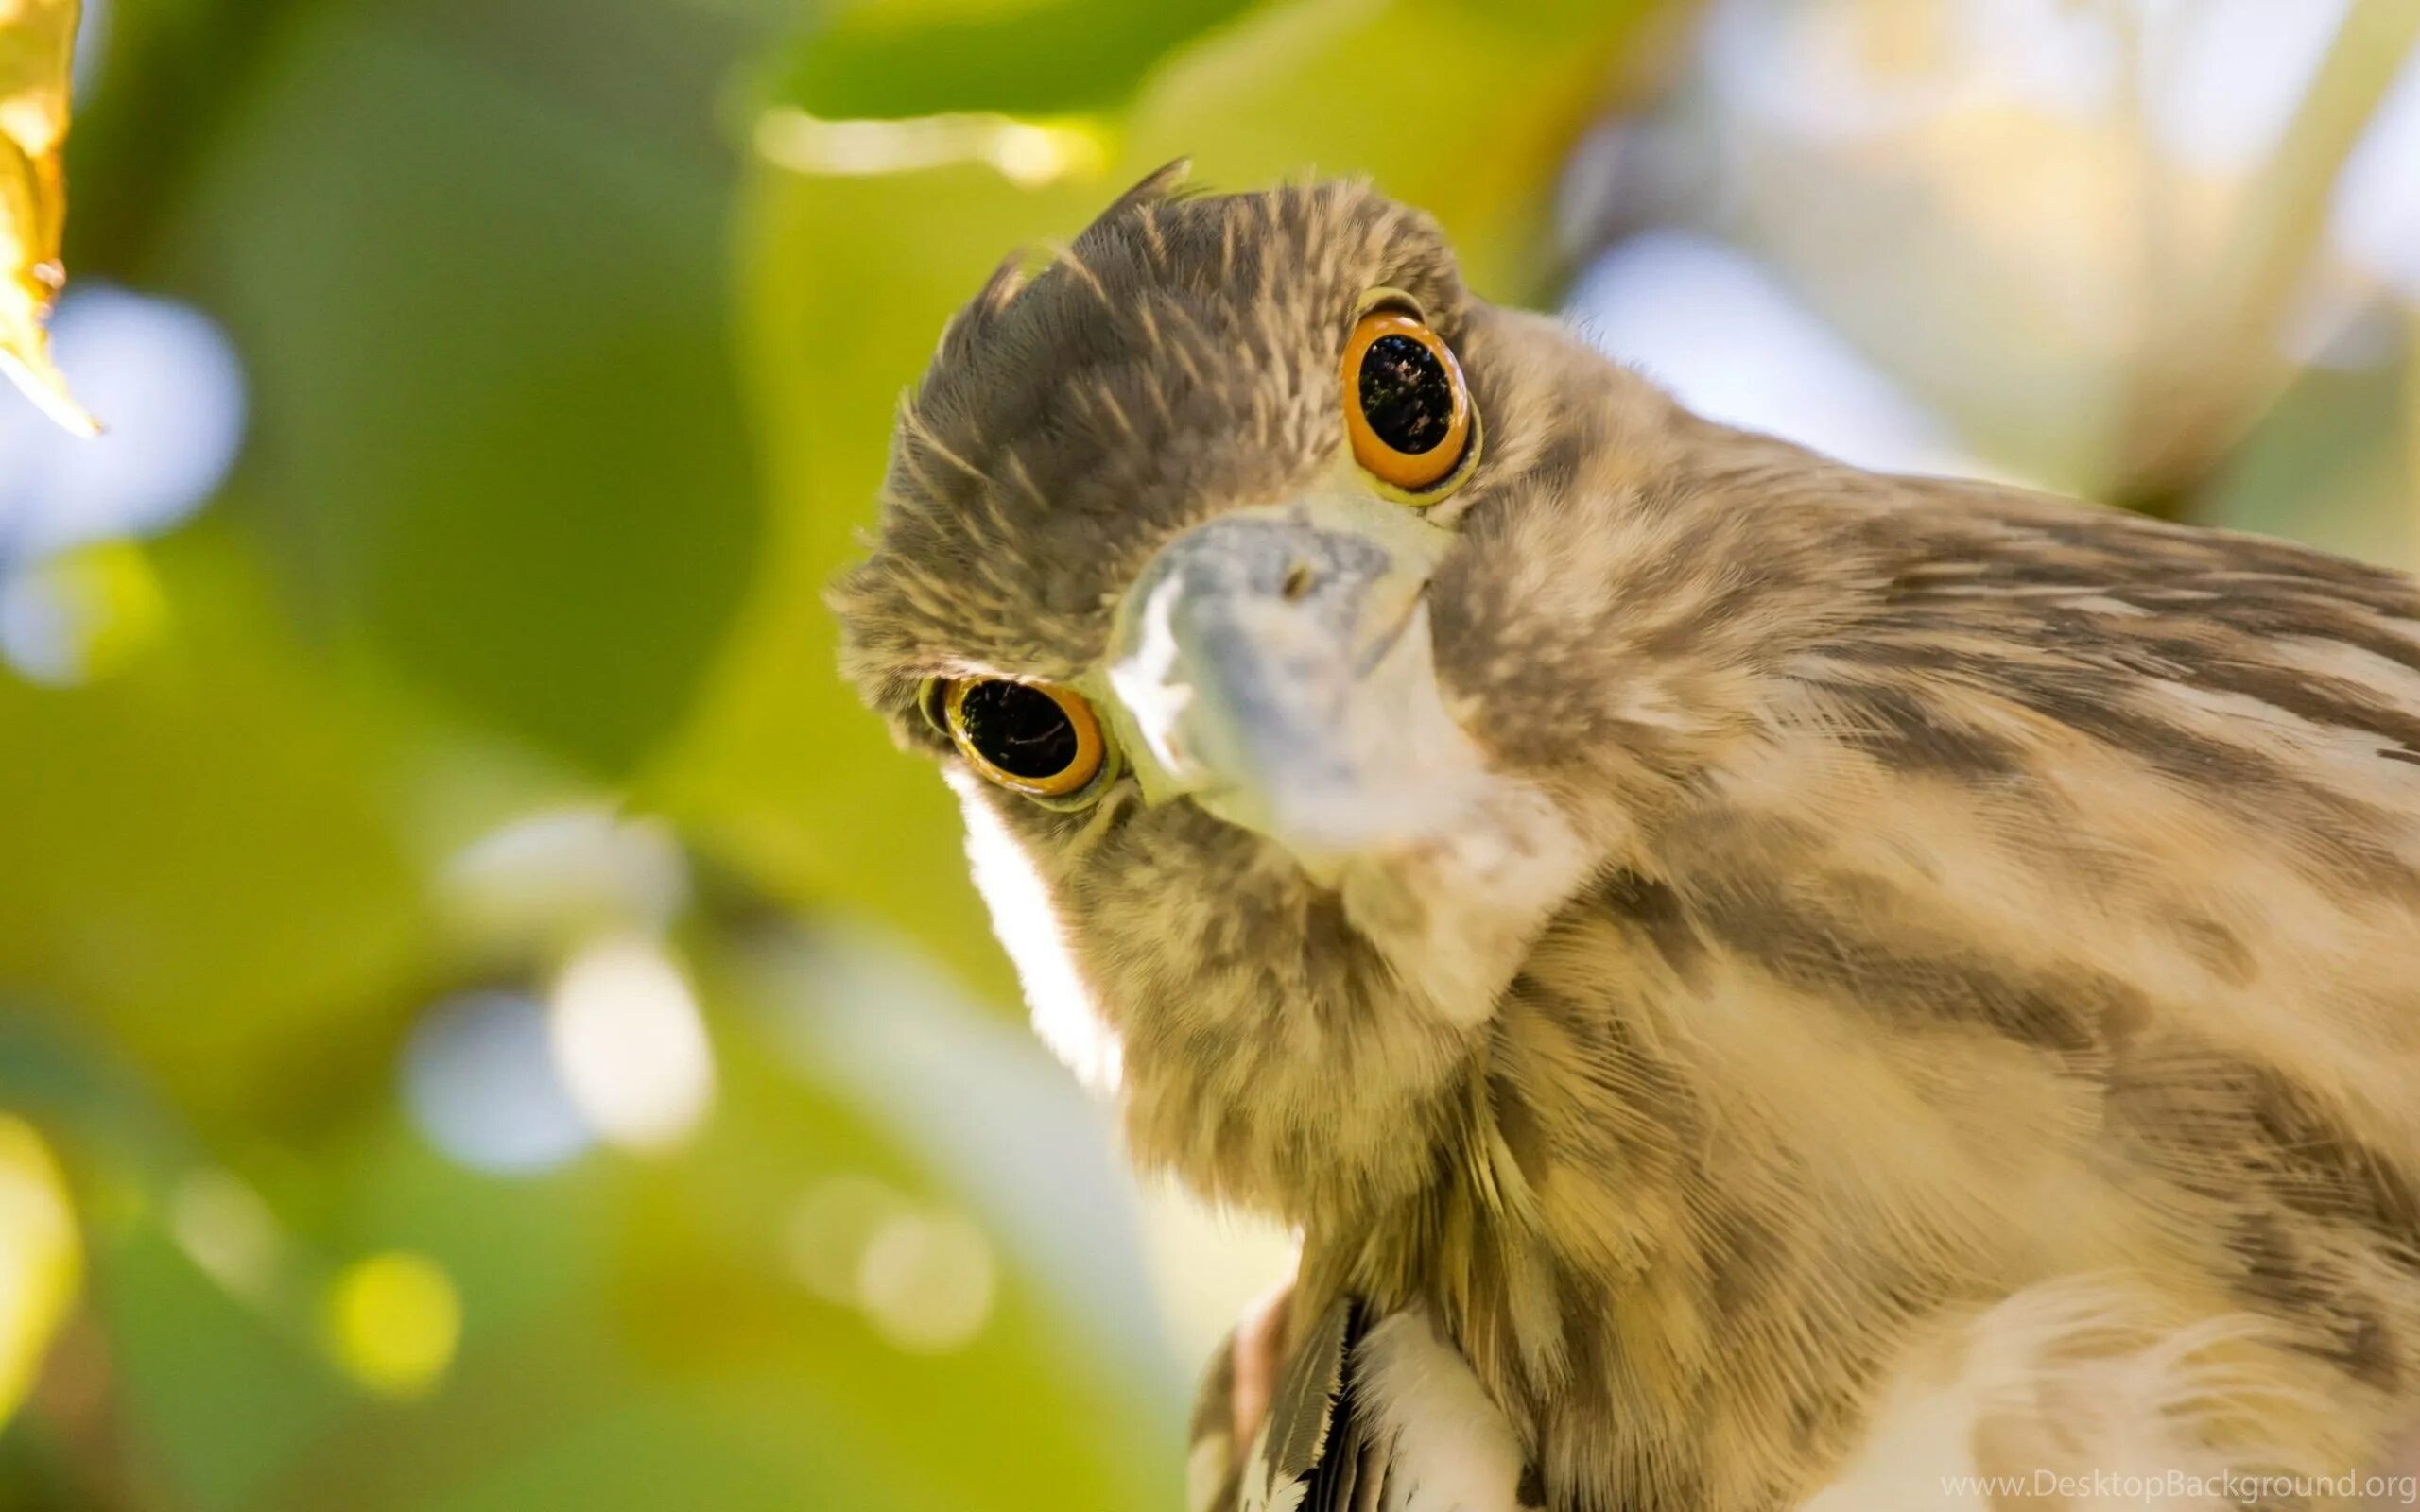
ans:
(2210, 357)
(76, 1407)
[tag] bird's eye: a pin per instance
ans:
(1029, 737)
(1406, 408)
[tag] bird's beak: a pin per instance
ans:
(1275, 666)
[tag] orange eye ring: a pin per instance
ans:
(1033, 738)
(1407, 409)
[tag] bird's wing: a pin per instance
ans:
(1368, 1417)
(1309, 1455)
(1211, 1470)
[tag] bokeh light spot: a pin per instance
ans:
(225, 1227)
(41, 1262)
(480, 1080)
(631, 1044)
(559, 877)
(394, 1321)
(829, 1230)
(926, 1281)
(169, 391)
(69, 619)
(1026, 153)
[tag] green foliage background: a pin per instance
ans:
(564, 401)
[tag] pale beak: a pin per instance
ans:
(1275, 666)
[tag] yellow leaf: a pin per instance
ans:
(39, 1264)
(37, 39)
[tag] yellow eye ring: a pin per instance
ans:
(1407, 409)
(1034, 738)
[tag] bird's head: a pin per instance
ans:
(1219, 566)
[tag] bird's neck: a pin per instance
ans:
(1340, 1124)
(1328, 1073)
(1568, 1243)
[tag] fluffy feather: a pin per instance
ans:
(1954, 893)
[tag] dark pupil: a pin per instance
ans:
(1406, 396)
(1021, 730)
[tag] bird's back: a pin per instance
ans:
(2028, 996)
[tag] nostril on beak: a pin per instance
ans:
(1300, 577)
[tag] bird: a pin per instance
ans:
(1757, 984)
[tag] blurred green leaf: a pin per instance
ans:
(2332, 465)
(691, 1447)
(224, 1399)
(1031, 59)
(485, 324)
(198, 856)
(848, 282)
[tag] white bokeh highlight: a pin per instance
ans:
(555, 878)
(169, 391)
(925, 1281)
(632, 1045)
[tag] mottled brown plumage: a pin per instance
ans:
(1899, 940)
